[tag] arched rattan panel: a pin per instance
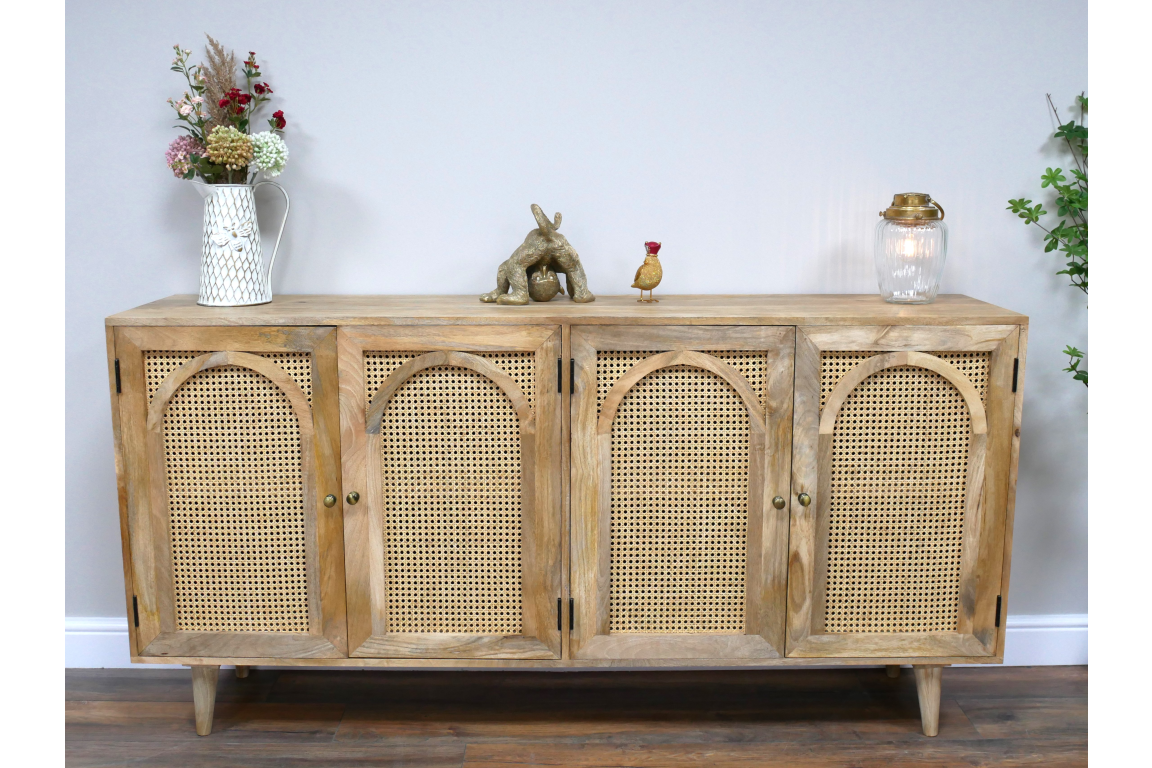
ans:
(453, 433)
(902, 442)
(231, 435)
(682, 437)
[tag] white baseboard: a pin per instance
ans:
(99, 641)
(1054, 639)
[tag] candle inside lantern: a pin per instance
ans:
(911, 245)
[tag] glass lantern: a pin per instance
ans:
(911, 244)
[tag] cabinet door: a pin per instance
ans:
(451, 438)
(903, 439)
(681, 439)
(230, 442)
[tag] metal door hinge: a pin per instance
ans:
(572, 376)
(559, 382)
(1015, 372)
(135, 612)
(559, 614)
(998, 603)
(116, 365)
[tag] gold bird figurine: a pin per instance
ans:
(649, 274)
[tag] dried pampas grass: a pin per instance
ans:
(220, 77)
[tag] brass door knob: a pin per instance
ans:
(352, 497)
(804, 499)
(778, 502)
(330, 500)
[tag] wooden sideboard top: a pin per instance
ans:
(712, 309)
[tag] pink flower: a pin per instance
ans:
(179, 154)
(185, 109)
(197, 99)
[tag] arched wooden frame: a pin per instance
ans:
(481, 366)
(682, 357)
(878, 363)
(384, 642)
(161, 514)
(750, 644)
(973, 499)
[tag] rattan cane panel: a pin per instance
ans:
(235, 497)
(833, 366)
(898, 486)
(521, 366)
(158, 365)
(451, 467)
(612, 365)
(679, 515)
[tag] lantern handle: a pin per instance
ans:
(941, 209)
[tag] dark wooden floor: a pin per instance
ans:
(1001, 716)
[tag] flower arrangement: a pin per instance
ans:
(218, 146)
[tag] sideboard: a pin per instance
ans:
(429, 481)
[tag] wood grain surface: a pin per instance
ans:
(146, 513)
(992, 442)
(540, 426)
(780, 309)
(832, 717)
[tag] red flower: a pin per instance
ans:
(262, 88)
(278, 116)
(222, 103)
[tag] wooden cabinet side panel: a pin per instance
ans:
(1010, 501)
(138, 482)
(585, 555)
(563, 372)
(121, 489)
(778, 401)
(802, 531)
(329, 521)
(542, 528)
(354, 477)
(989, 565)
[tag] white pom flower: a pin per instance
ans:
(269, 153)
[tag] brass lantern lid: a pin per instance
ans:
(914, 206)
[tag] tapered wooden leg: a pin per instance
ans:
(893, 670)
(204, 679)
(928, 689)
(241, 671)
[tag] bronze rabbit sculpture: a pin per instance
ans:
(544, 250)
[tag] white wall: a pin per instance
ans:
(757, 141)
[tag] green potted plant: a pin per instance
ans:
(1069, 237)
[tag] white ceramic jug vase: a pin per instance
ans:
(232, 272)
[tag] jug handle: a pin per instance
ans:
(287, 205)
